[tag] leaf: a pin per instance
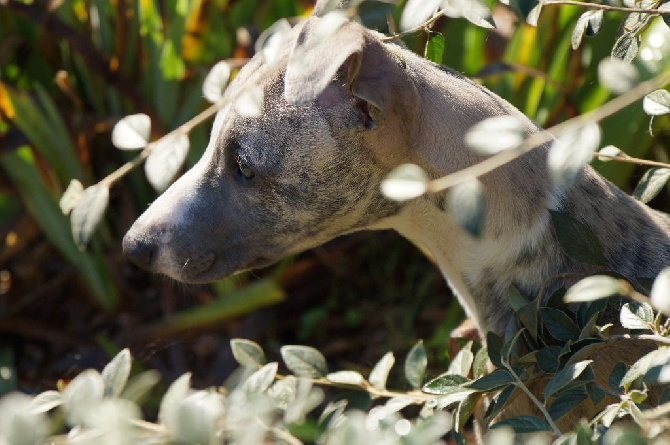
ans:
(347, 378)
(380, 372)
(665, 7)
(495, 380)
(475, 12)
(466, 202)
(610, 150)
(200, 414)
(115, 374)
(660, 292)
(659, 374)
(498, 404)
(165, 160)
(618, 372)
(71, 197)
(595, 393)
(523, 424)
(626, 47)
(140, 385)
(454, 396)
(19, 425)
(168, 413)
(651, 184)
(617, 75)
(595, 22)
(659, 357)
(417, 12)
(415, 365)
(462, 362)
(657, 103)
(565, 376)
(46, 401)
(270, 41)
(261, 379)
(566, 402)
(445, 384)
(572, 151)
(405, 182)
(480, 362)
(577, 240)
(132, 132)
(250, 102)
(88, 213)
(247, 353)
(495, 134)
(559, 325)
(494, 346)
(636, 315)
(593, 288)
(588, 23)
(509, 344)
(465, 410)
(216, 81)
(534, 14)
(304, 361)
(81, 393)
(434, 47)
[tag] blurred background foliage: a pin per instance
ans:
(69, 70)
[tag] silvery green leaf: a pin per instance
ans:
(392, 405)
(71, 196)
(284, 391)
(657, 103)
(199, 418)
(307, 398)
(114, 420)
(346, 378)
(626, 47)
(658, 357)
(462, 361)
(250, 102)
(415, 365)
(594, 21)
(380, 372)
(81, 393)
(431, 430)
(466, 202)
(247, 353)
(572, 151)
(165, 160)
(610, 150)
(578, 31)
(132, 132)
(565, 376)
(534, 14)
(271, 40)
(46, 401)
(495, 134)
(261, 380)
(405, 182)
(216, 81)
(304, 361)
(168, 414)
(593, 288)
(617, 75)
(475, 11)
(19, 423)
(651, 184)
(660, 292)
(140, 385)
(88, 213)
(417, 12)
(635, 315)
(453, 397)
(115, 374)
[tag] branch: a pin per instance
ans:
(422, 27)
(606, 7)
(543, 137)
(631, 160)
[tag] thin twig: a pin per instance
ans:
(631, 160)
(541, 138)
(422, 27)
(651, 337)
(606, 7)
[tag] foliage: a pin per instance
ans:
(549, 344)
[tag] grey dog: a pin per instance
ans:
(309, 168)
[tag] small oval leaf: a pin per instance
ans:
(115, 374)
(610, 151)
(132, 132)
(617, 75)
(271, 40)
(88, 213)
(651, 184)
(417, 12)
(407, 181)
(304, 361)
(216, 81)
(380, 372)
(247, 353)
(657, 103)
(165, 160)
(46, 401)
(636, 315)
(626, 47)
(415, 365)
(347, 378)
(660, 292)
(168, 414)
(593, 288)
(466, 202)
(572, 151)
(495, 134)
(250, 102)
(261, 380)
(565, 376)
(445, 384)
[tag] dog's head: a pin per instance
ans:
(337, 116)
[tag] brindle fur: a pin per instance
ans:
(331, 131)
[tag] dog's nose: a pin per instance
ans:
(138, 251)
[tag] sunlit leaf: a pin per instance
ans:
(594, 21)
(534, 14)
(250, 102)
(405, 182)
(572, 151)
(495, 134)
(636, 315)
(660, 292)
(657, 103)
(88, 213)
(199, 415)
(462, 361)
(19, 425)
(416, 12)
(380, 372)
(466, 203)
(168, 414)
(617, 75)
(651, 184)
(610, 150)
(434, 47)
(132, 132)
(216, 81)
(626, 47)
(415, 365)
(346, 378)
(81, 393)
(658, 357)
(115, 374)
(261, 380)
(247, 353)
(445, 383)
(565, 376)
(46, 401)
(593, 288)
(475, 11)
(271, 40)
(165, 160)
(71, 197)
(304, 361)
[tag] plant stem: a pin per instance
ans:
(651, 337)
(605, 7)
(632, 160)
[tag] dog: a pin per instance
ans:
(339, 113)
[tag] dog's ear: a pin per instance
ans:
(327, 45)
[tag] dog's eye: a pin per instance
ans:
(243, 168)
